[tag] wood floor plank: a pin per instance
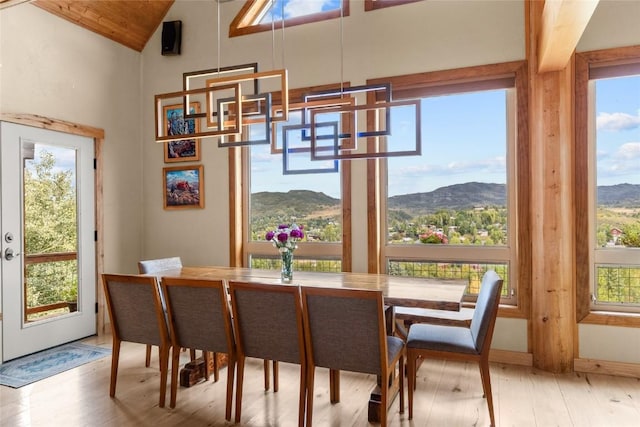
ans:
(549, 408)
(514, 382)
(448, 393)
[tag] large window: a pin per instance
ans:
(614, 186)
(452, 212)
(314, 201)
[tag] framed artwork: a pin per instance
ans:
(183, 187)
(183, 150)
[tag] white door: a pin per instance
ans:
(47, 223)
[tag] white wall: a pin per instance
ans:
(55, 69)
(615, 23)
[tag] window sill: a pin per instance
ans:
(609, 318)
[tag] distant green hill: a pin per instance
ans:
(620, 195)
(458, 196)
(302, 202)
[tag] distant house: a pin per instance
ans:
(615, 234)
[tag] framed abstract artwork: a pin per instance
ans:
(183, 150)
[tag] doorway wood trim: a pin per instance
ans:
(98, 139)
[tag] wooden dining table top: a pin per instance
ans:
(440, 294)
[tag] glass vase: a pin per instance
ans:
(286, 272)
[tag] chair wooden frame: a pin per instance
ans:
(386, 365)
(275, 335)
(199, 317)
(151, 266)
(490, 288)
(121, 330)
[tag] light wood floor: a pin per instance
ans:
(448, 394)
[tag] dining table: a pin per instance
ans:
(439, 294)
(397, 291)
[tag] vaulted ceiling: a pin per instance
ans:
(128, 22)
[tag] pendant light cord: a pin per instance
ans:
(341, 49)
(218, 26)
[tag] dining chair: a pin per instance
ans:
(159, 264)
(345, 329)
(200, 317)
(268, 324)
(458, 342)
(151, 266)
(137, 315)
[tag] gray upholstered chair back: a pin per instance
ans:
(268, 321)
(343, 327)
(486, 307)
(155, 265)
(135, 308)
(199, 314)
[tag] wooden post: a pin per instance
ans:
(553, 268)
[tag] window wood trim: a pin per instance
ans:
(242, 23)
(431, 83)
(585, 62)
(628, 320)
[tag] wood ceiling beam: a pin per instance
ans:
(128, 22)
(8, 3)
(563, 23)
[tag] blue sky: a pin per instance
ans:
(293, 8)
(618, 130)
(463, 136)
(464, 140)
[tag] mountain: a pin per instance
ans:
(619, 195)
(458, 196)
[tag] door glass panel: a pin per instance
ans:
(50, 231)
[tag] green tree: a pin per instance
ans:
(50, 227)
(631, 235)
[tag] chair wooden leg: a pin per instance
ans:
(205, 356)
(486, 386)
(275, 376)
(310, 379)
(192, 354)
(175, 363)
(267, 369)
(147, 360)
(216, 367)
(302, 402)
(231, 367)
(239, 385)
(115, 357)
(411, 376)
(384, 400)
(401, 374)
(334, 385)
(164, 371)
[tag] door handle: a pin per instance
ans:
(9, 255)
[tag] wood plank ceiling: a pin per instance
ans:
(128, 22)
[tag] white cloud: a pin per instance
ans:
(621, 166)
(617, 121)
(303, 7)
(628, 151)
